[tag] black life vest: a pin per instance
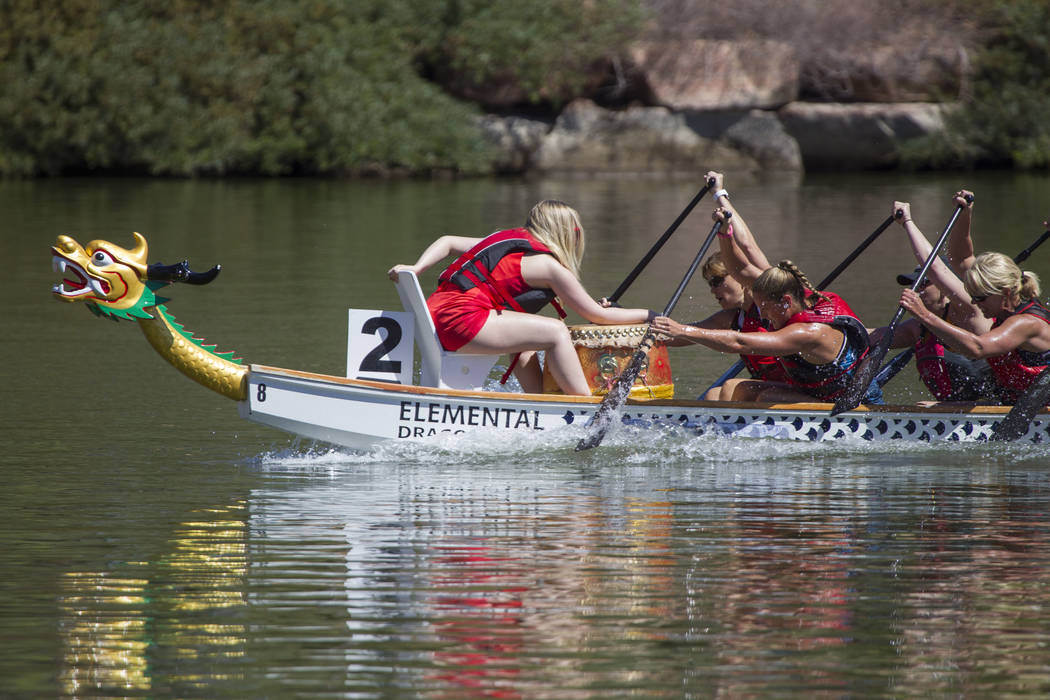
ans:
(948, 375)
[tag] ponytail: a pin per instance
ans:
(786, 278)
(992, 273)
(1029, 285)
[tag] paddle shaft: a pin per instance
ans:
(629, 280)
(860, 249)
(893, 367)
(900, 361)
(602, 418)
(739, 364)
(1023, 255)
(858, 386)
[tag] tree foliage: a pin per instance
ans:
(545, 49)
(1003, 122)
(185, 87)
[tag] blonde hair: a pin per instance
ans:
(991, 273)
(557, 226)
(783, 279)
(714, 267)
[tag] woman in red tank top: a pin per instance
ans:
(486, 301)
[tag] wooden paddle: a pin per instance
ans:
(862, 378)
(602, 418)
(739, 365)
(900, 361)
(1035, 397)
(629, 280)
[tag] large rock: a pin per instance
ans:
(761, 135)
(910, 71)
(588, 138)
(514, 140)
(857, 136)
(704, 74)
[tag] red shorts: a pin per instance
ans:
(458, 316)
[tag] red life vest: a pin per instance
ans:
(826, 381)
(1017, 369)
(474, 269)
(763, 367)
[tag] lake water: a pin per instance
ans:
(152, 544)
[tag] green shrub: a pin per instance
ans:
(1004, 120)
(547, 49)
(186, 87)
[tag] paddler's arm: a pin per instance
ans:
(940, 274)
(740, 252)
(961, 312)
(1011, 334)
(904, 336)
(802, 338)
(543, 271)
(960, 241)
(723, 318)
(435, 253)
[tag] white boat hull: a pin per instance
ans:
(360, 414)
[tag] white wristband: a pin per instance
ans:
(721, 193)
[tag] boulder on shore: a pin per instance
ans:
(587, 138)
(760, 135)
(800, 136)
(514, 140)
(858, 136)
(707, 74)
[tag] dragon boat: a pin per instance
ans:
(381, 400)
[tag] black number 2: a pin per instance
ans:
(373, 361)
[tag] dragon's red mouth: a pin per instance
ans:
(75, 281)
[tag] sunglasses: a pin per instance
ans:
(716, 282)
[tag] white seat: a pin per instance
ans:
(440, 368)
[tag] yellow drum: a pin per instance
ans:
(605, 351)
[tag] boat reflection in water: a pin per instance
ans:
(123, 629)
(727, 567)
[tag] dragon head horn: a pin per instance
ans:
(139, 254)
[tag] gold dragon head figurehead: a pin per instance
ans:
(110, 279)
(117, 283)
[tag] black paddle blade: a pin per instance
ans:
(1033, 400)
(599, 423)
(603, 417)
(853, 394)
